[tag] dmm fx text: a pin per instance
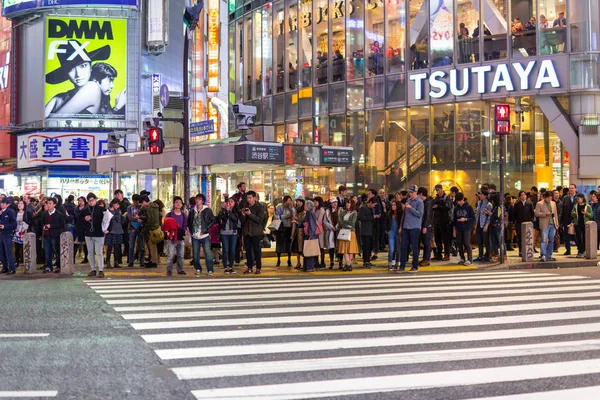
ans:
(73, 29)
(501, 79)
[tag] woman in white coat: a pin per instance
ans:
(330, 221)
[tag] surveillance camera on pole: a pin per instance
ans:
(244, 118)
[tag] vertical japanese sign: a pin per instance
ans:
(213, 45)
(213, 115)
(60, 148)
(86, 68)
(6, 148)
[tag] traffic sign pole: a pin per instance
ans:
(186, 116)
(502, 128)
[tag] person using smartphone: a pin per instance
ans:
(546, 213)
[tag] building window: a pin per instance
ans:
(396, 35)
(442, 32)
(374, 92)
(355, 39)
(232, 64)
(279, 27)
(396, 89)
(337, 98)
(470, 130)
(306, 132)
(247, 54)
(337, 130)
(320, 101)
(396, 146)
(375, 37)
(321, 131)
(494, 30)
(467, 21)
(320, 19)
(305, 44)
(375, 148)
(418, 155)
(419, 34)
(356, 95)
(291, 44)
(257, 56)
(585, 28)
(267, 51)
(523, 28)
(239, 61)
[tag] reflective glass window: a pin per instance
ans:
(338, 40)
(337, 98)
(469, 131)
(305, 102)
(247, 50)
(553, 26)
(337, 130)
(418, 157)
(291, 106)
(239, 64)
(267, 51)
(278, 108)
(467, 20)
(355, 39)
(396, 35)
(442, 32)
(419, 34)
(320, 100)
(305, 28)
(291, 66)
(442, 143)
(267, 109)
(279, 27)
(375, 92)
(232, 63)
(396, 89)
(495, 29)
(355, 131)
(395, 156)
(356, 95)
(321, 131)
(585, 25)
(321, 42)
(523, 29)
(375, 148)
(306, 132)
(257, 55)
(375, 37)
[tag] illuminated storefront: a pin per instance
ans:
(410, 85)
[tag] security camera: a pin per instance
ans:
(244, 115)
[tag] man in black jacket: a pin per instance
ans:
(200, 220)
(94, 236)
(568, 202)
(8, 223)
(442, 204)
(253, 230)
(53, 222)
(367, 219)
(426, 227)
(523, 211)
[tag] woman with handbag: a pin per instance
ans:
(393, 219)
(283, 234)
(582, 213)
(320, 214)
(330, 221)
(311, 248)
(297, 227)
(347, 243)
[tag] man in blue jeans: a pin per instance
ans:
(412, 219)
(200, 220)
(53, 223)
(547, 214)
(135, 231)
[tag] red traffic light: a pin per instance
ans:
(502, 112)
(502, 119)
(155, 141)
(153, 134)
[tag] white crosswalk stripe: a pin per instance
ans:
(476, 334)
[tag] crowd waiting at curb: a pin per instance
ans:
(307, 231)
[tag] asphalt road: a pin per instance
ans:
(460, 335)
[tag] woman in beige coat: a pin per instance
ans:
(320, 213)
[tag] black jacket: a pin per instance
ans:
(207, 220)
(523, 213)
(366, 217)
(427, 213)
(8, 218)
(567, 208)
(441, 214)
(228, 215)
(57, 225)
(253, 224)
(80, 224)
(93, 228)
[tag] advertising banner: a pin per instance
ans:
(13, 7)
(60, 148)
(7, 142)
(213, 45)
(86, 68)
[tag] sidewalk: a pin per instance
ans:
(269, 268)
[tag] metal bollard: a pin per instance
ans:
(527, 241)
(66, 253)
(29, 253)
(591, 240)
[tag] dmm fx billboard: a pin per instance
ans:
(503, 79)
(60, 148)
(86, 68)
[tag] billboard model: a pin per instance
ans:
(86, 68)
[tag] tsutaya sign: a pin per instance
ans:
(485, 79)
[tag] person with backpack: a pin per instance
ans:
(151, 224)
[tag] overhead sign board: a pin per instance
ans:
(213, 45)
(156, 82)
(202, 128)
(60, 148)
(302, 154)
(336, 155)
(12, 8)
(164, 95)
(259, 153)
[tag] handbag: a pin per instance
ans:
(319, 229)
(571, 230)
(274, 225)
(311, 248)
(345, 235)
(156, 236)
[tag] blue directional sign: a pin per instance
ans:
(202, 128)
(164, 95)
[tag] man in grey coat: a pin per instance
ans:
(412, 219)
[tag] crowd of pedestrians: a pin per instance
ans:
(410, 225)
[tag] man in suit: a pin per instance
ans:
(8, 223)
(522, 212)
(547, 215)
(568, 203)
(342, 192)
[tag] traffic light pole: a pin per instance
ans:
(186, 117)
(501, 140)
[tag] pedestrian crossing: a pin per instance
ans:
(476, 335)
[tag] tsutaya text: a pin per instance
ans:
(501, 78)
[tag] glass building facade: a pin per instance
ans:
(336, 73)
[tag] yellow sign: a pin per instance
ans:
(213, 46)
(86, 68)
